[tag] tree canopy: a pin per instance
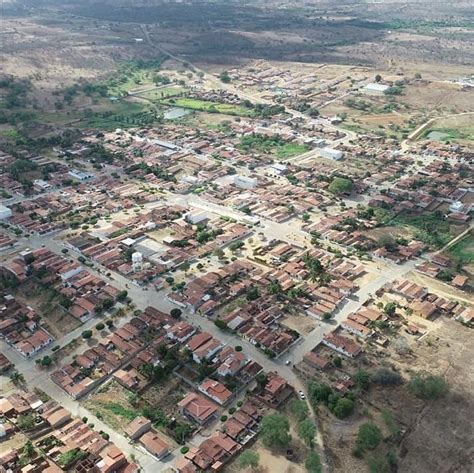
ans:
(340, 185)
(248, 458)
(275, 431)
(313, 463)
(428, 386)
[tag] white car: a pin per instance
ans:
(302, 396)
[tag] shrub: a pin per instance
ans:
(343, 408)
(368, 437)
(313, 463)
(386, 377)
(428, 386)
(86, 334)
(220, 324)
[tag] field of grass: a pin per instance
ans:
(161, 93)
(289, 150)
(111, 403)
(432, 229)
(211, 107)
(463, 250)
(453, 134)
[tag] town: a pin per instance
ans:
(229, 269)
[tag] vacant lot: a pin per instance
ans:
(463, 250)
(58, 320)
(112, 404)
(212, 107)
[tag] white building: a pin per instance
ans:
(80, 175)
(137, 261)
(245, 182)
(5, 212)
(331, 153)
(456, 207)
(377, 89)
(195, 218)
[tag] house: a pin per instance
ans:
(342, 344)
(180, 332)
(423, 309)
(139, 426)
(459, 281)
(198, 408)
(275, 385)
(128, 379)
(231, 362)
(316, 361)
(5, 363)
(356, 328)
(197, 340)
(154, 444)
(112, 460)
(207, 350)
(57, 416)
(216, 391)
(245, 182)
(34, 343)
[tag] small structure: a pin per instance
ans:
(5, 212)
(245, 182)
(331, 153)
(137, 261)
(376, 89)
(139, 426)
(154, 444)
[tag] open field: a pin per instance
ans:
(112, 403)
(211, 107)
(457, 129)
(463, 250)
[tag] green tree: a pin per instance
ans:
(275, 431)
(299, 409)
(340, 185)
(249, 458)
(122, 295)
(274, 287)
(368, 437)
(26, 422)
(390, 308)
(307, 431)
(362, 379)
(17, 378)
(86, 334)
(313, 463)
(343, 408)
(319, 393)
(176, 313)
(428, 386)
(224, 77)
(46, 361)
